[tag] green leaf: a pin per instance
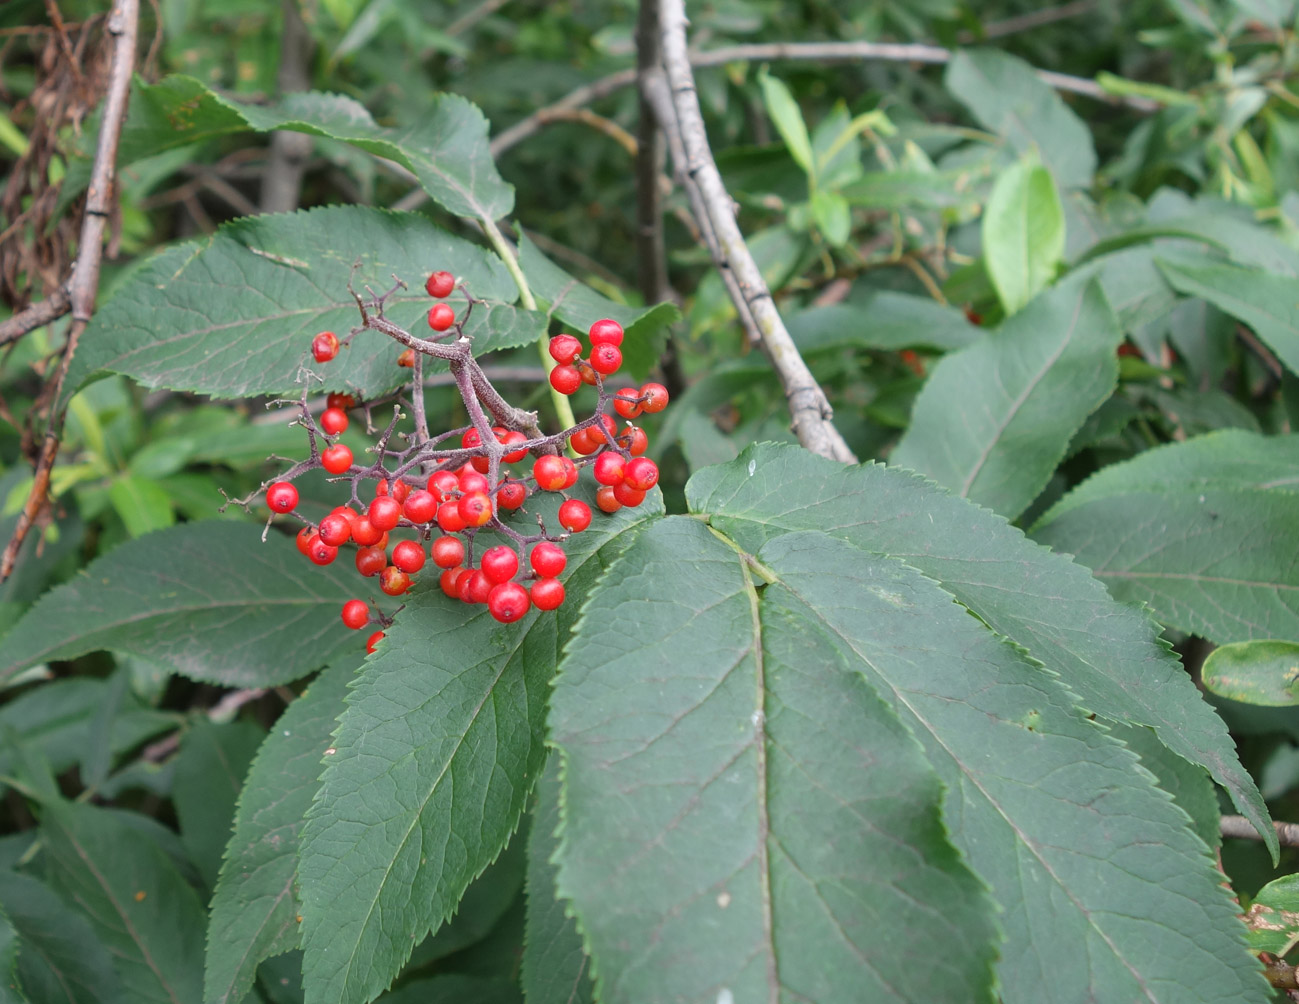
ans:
(1191, 787)
(454, 988)
(1255, 672)
(209, 771)
(61, 960)
(430, 767)
(145, 913)
(556, 969)
(1202, 548)
(233, 315)
(775, 823)
(1087, 858)
(1005, 95)
(887, 322)
(994, 420)
(1273, 917)
(1267, 303)
(918, 190)
(1107, 653)
(785, 113)
(1023, 233)
(255, 907)
(833, 217)
(142, 503)
(10, 986)
(447, 148)
(208, 599)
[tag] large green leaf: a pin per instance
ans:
(61, 960)
(1023, 233)
(145, 913)
(255, 907)
(741, 813)
(556, 969)
(1107, 653)
(1194, 534)
(431, 764)
(1005, 95)
(1266, 302)
(784, 111)
(233, 315)
(208, 774)
(887, 321)
(208, 599)
(995, 419)
(1255, 672)
(447, 148)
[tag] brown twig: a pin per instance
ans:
(651, 256)
(83, 285)
(289, 151)
(35, 316)
(1242, 829)
(1027, 22)
(676, 104)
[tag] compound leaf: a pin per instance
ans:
(743, 818)
(994, 419)
(255, 907)
(208, 599)
(1107, 653)
(431, 764)
(233, 315)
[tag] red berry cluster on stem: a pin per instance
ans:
(431, 497)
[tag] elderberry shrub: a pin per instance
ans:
(430, 498)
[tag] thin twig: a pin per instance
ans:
(37, 315)
(1242, 829)
(471, 17)
(682, 120)
(289, 151)
(1027, 22)
(83, 286)
(825, 52)
(651, 254)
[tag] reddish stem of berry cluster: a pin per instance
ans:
(444, 492)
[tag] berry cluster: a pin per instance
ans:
(438, 495)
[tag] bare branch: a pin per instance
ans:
(651, 256)
(35, 316)
(1242, 829)
(676, 104)
(289, 151)
(83, 286)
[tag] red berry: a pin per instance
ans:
(442, 484)
(319, 552)
(372, 642)
(333, 421)
(346, 512)
(340, 401)
(550, 473)
(564, 349)
(304, 538)
(547, 559)
(356, 614)
(449, 518)
(420, 506)
(582, 444)
(366, 533)
(604, 498)
(282, 497)
(574, 515)
(371, 560)
(474, 586)
(399, 490)
(626, 495)
(656, 397)
(627, 407)
(408, 556)
(547, 594)
(606, 359)
(500, 563)
(335, 530)
(448, 552)
(608, 468)
(508, 602)
(385, 511)
(570, 472)
(472, 481)
(440, 284)
(565, 379)
(634, 440)
(393, 581)
(510, 438)
(641, 474)
(475, 509)
(511, 494)
(585, 373)
(606, 332)
(336, 459)
(448, 581)
(324, 346)
(471, 439)
(441, 317)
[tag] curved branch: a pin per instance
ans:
(676, 105)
